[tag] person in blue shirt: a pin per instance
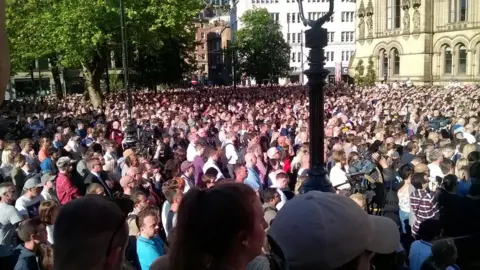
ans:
(149, 244)
(421, 250)
(253, 179)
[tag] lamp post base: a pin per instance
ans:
(130, 140)
(317, 180)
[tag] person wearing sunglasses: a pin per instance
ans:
(91, 233)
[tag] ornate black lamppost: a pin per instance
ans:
(316, 40)
(130, 131)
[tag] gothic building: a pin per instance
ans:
(428, 41)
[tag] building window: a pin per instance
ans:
(202, 35)
(299, 37)
(389, 15)
(458, 10)
(397, 14)
(288, 37)
(293, 17)
(396, 62)
(383, 63)
(462, 59)
(343, 56)
(447, 63)
(288, 17)
(293, 37)
(275, 16)
(299, 57)
(293, 57)
(330, 36)
(203, 56)
(342, 39)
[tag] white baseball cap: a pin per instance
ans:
(324, 231)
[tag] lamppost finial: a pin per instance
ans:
(320, 21)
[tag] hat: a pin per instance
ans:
(64, 161)
(47, 177)
(459, 129)
(127, 153)
(185, 165)
(33, 182)
(271, 152)
(326, 230)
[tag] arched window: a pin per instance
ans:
(447, 63)
(462, 59)
(383, 63)
(396, 62)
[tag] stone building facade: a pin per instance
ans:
(426, 41)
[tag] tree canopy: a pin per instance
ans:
(82, 33)
(262, 51)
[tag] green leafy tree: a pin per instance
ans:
(359, 70)
(370, 77)
(82, 33)
(262, 53)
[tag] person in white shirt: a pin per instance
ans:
(338, 177)
(28, 204)
(230, 151)
(213, 156)
(48, 192)
(281, 182)
(436, 157)
(191, 152)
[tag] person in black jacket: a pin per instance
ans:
(97, 175)
(33, 233)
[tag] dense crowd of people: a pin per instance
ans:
(215, 181)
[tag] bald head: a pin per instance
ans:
(125, 181)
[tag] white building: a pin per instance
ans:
(341, 30)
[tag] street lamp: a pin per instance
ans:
(316, 40)
(130, 131)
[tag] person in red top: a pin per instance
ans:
(66, 191)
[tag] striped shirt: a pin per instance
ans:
(424, 206)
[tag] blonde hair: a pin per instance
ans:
(8, 157)
(467, 149)
(298, 185)
(93, 187)
(461, 163)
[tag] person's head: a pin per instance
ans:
(187, 168)
(411, 148)
(444, 253)
(339, 157)
(436, 156)
(467, 149)
(359, 199)
(95, 188)
(448, 151)
(32, 187)
(33, 232)
(91, 233)
(447, 166)
(281, 180)
(64, 165)
(208, 180)
(474, 156)
(19, 161)
(48, 212)
(8, 192)
(136, 174)
(95, 165)
(240, 172)
(140, 200)
(271, 196)
(148, 221)
(216, 235)
(26, 145)
(309, 225)
(430, 230)
(127, 182)
(213, 154)
(405, 171)
(449, 182)
(200, 149)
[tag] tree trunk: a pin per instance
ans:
(56, 77)
(92, 86)
(92, 73)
